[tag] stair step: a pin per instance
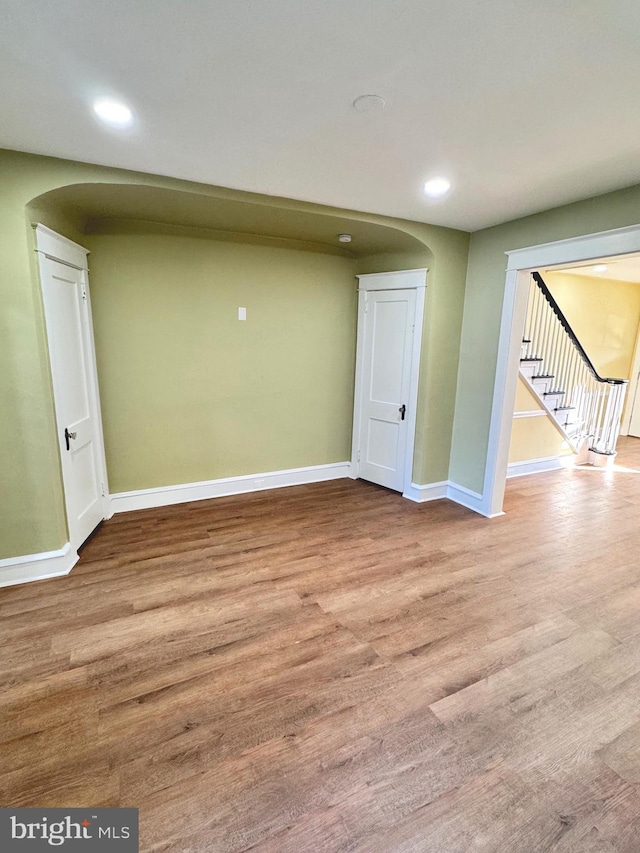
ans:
(542, 382)
(529, 366)
(552, 398)
(565, 416)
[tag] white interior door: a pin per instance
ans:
(68, 320)
(386, 375)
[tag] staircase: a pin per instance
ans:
(585, 407)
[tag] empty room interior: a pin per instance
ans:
(320, 431)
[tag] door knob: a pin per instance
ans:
(67, 436)
(402, 411)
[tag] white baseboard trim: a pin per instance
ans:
(452, 491)
(533, 413)
(428, 492)
(537, 466)
(469, 499)
(166, 495)
(37, 567)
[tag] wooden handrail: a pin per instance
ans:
(574, 340)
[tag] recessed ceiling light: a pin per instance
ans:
(599, 268)
(112, 112)
(369, 104)
(344, 238)
(437, 187)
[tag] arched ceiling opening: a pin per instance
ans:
(96, 208)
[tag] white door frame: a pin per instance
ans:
(520, 262)
(633, 391)
(400, 280)
(54, 246)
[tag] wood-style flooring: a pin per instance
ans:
(332, 668)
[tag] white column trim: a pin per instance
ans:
(451, 491)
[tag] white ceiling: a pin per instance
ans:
(524, 105)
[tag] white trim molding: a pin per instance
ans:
(534, 413)
(428, 492)
(471, 500)
(451, 491)
(60, 248)
(167, 495)
(538, 466)
(37, 567)
(394, 280)
(618, 241)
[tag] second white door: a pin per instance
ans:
(68, 319)
(386, 376)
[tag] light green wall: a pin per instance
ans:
(31, 497)
(483, 308)
(189, 392)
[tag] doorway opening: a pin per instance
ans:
(572, 253)
(577, 382)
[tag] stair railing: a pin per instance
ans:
(592, 404)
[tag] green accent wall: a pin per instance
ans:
(288, 242)
(191, 393)
(483, 309)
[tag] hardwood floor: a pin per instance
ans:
(332, 668)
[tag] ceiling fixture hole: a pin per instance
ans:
(369, 104)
